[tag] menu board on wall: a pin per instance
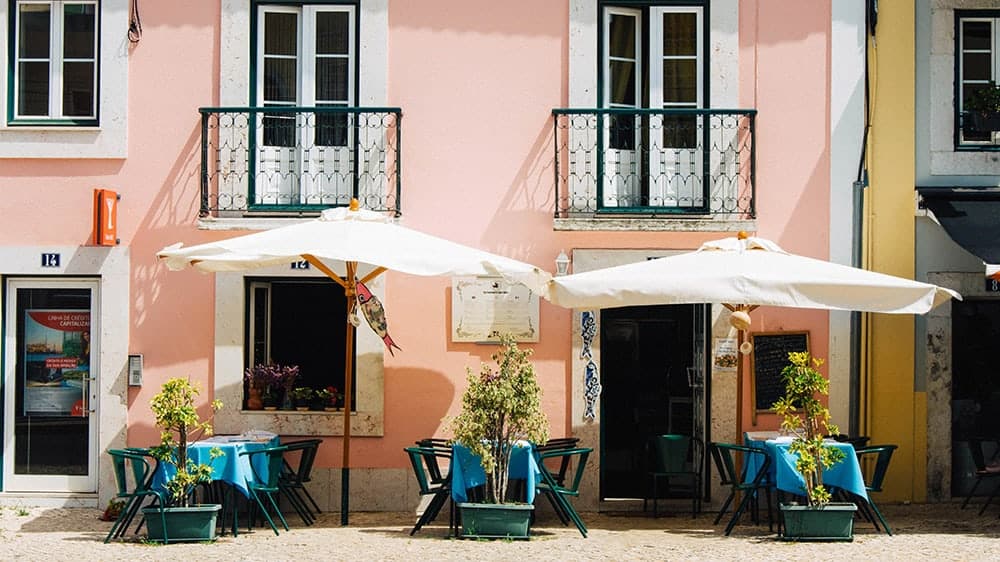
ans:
(56, 361)
(484, 307)
(769, 358)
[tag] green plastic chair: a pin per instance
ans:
(425, 466)
(292, 481)
(557, 493)
(740, 481)
(134, 496)
(882, 454)
(266, 487)
(676, 458)
(983, 472)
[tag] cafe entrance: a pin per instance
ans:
(653, 375)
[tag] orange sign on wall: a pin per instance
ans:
(105, 217)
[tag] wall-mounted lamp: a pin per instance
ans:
(562, 264)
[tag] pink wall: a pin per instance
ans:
(785, 74)
(477, 81)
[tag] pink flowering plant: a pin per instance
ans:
(271, 379)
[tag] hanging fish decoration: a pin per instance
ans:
(375, 315)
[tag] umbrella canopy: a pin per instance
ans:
(745, 273)
(344, 238)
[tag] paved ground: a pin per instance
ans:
(924, 532)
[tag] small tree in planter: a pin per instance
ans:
(179, 422)
(500, 407)
(806, 418)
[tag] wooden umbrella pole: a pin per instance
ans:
(739, 387)
(350, 291)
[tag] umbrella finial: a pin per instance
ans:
(355, 205)
(742, 235)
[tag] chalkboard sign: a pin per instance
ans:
(770, 356)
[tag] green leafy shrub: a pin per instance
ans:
(499, 408)
(179, 423)
(808, 420)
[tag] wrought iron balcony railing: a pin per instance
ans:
(298, 160)
(654, 162)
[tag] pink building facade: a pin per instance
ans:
(609, 131)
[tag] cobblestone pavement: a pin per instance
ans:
(925, 532)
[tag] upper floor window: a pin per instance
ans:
(54, 62)
(978, 71)
(652, 64)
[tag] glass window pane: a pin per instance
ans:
(679, 85)
(33, 34)
(331, 79)
(281, 33)
(623, 83)
(680, 131)
(977, 66)
(332, 33)
(279, 130)
(621, 42)
(279, 80)
(78, 31)
(976, 35)
(622, 131)
(33, 88)
(331, 129)
(680, 34)
(78, 89)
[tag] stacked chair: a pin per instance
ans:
(741, 481)
(563, 452)
(134, 496)
(882, 455)
(265, 488)
(432, 478)
(984, 472)
(294, 476)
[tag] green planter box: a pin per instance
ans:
(184, 524)
(830, 522)
(495, 521)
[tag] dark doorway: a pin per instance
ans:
(647, 354)
(975, 389)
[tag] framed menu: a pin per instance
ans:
(484, 307)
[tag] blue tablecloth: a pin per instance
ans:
(231, 467)
(846, 474)
(467, 471)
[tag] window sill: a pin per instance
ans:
(676, 224)
(295, 422)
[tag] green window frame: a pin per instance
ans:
(54, 62)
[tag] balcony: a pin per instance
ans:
(641, 169)
(297, 161)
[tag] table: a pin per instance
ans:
(845, 475)
(231, 467)
(467, 471)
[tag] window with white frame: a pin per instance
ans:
(305, 58)
(653, 58)
(977, 64)
(54, 62)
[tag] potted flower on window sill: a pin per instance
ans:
(303, 396)
(806, 418)
(500, 407)
(982, 109)
(179, 422)
(326, 399)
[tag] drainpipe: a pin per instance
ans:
(854, 380)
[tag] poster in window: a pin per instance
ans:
(726, 356)
(56, 361)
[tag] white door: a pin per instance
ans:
(653, 160)
(622, 132)
(305, 59)
(50, 385)
(675, 141)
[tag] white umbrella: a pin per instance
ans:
(745, 273)
(352, 237)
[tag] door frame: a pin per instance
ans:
(50, 483)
